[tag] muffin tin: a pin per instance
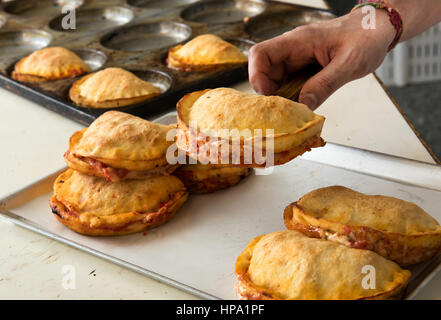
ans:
(136, 35)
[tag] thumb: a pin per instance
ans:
(318, 88)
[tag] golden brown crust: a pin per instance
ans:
(288, 265)
(406, 243)
(302, 134)
(246, 291)
(120, 146)
(48, 64)
(183, 143)
(137, 222)
(122, 83)
(205, 53)
(200, 178)
(27, 78)
(91, 206)
(119, 136)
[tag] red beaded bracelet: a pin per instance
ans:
(394, 16)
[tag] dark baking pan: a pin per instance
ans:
(136, 35)
(341, 7)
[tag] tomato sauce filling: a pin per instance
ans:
(110, 173)
(150, 217)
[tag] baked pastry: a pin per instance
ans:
(96, 207)
(111, 88)
(47, 64)
(273, 128)
(201, 178)
(203, 53)
(287, 265)
(119, 146)
(396, 229)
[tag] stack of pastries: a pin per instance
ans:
(120, 180)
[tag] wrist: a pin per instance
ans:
(394, 16)
(376, 22)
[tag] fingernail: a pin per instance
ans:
(310, 100)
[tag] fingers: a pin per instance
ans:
(269, 60)
(318, 88)
(264, 77)
(264, 73)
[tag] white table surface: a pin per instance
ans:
(33, 140)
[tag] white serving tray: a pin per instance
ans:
(196, 251)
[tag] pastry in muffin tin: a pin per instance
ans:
(52, 63)
(204, 53)
(111, 88)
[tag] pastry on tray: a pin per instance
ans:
(119, 146)
(273, 128)
(201, 178)
(396, 229)
(203, 53)
(287, 265)
(111, 88)
(47, 64)
(94, 206)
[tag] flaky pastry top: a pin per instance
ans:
(52, 63)
(345, 206)
(120, 136)
(208, 49)
(114, 83)
(226, 108)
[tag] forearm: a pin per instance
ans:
(417, 15)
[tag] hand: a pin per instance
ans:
(341, 46)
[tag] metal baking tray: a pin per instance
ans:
(197, 249)
(136, 35)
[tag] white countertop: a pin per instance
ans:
(33, 140)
